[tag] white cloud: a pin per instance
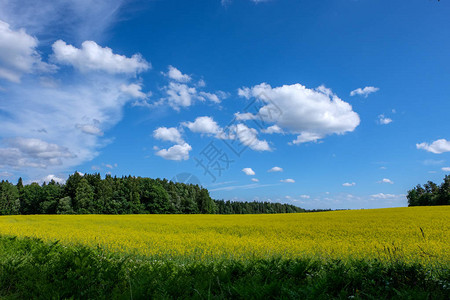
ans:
(18, 54)
(80, 20)
(176, 152)
(90, 129)
(255, 180)
(387, 196)
(5, 174)
(288, 180)
(248, 171)
(386, 180)
(168, 134)
(92, 57)
(249, 137)
(176, 75)
(305, 196)
(276, 169)
(438, 146)
(310, 113)
(306, 137)
(211, 97)
(134, 90)
(384, 120)
(201, 83)
(244, 116)
(51, 177)
(365, 91)
(203, 125)
(180, 95)
(30, 152)
(349, 184)
(72, 114)
(272, 129)
(446, 169)
(246, 136)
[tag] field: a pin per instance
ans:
(388, 238)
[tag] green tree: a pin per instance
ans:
(50, 195)
(30, 199)
(205, 204)
(9, 199)
(84, 198)
(64, 206)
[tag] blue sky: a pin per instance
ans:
(321, 104)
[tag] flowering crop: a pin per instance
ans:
(414, 234)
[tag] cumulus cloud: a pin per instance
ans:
(134, 90)
(18, 54)
(364, 91)
(386, 180)
(180, 95)
(446, 169)
(51, 177)
(73, 114)
(176, 152)
(249, 137)
(275, 169)
(384, 120)
(210, 96)
(245, 135)
(310, 113)
(305, 196)
(31, 152)
(306, 137)
(204, 125)
(168, 134)
(438, 146)
(272, 129)
(92, 57)
(245, 116)
(248, 171)
(255, 180)
(176, 75)
(70, 111)
(349, 184)
(288, 180)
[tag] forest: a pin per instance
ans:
(90, 194)
(430, 194)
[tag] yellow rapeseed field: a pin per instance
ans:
(412, 234)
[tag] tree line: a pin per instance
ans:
(90, 194)
(430, 194)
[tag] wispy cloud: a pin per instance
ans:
(366, 91)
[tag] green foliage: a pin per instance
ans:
(84, 197)
(64, 206)
(89, 193)
(9, 199)
(30, 199)
(430, 194)
(50, 195)
(30, 269)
